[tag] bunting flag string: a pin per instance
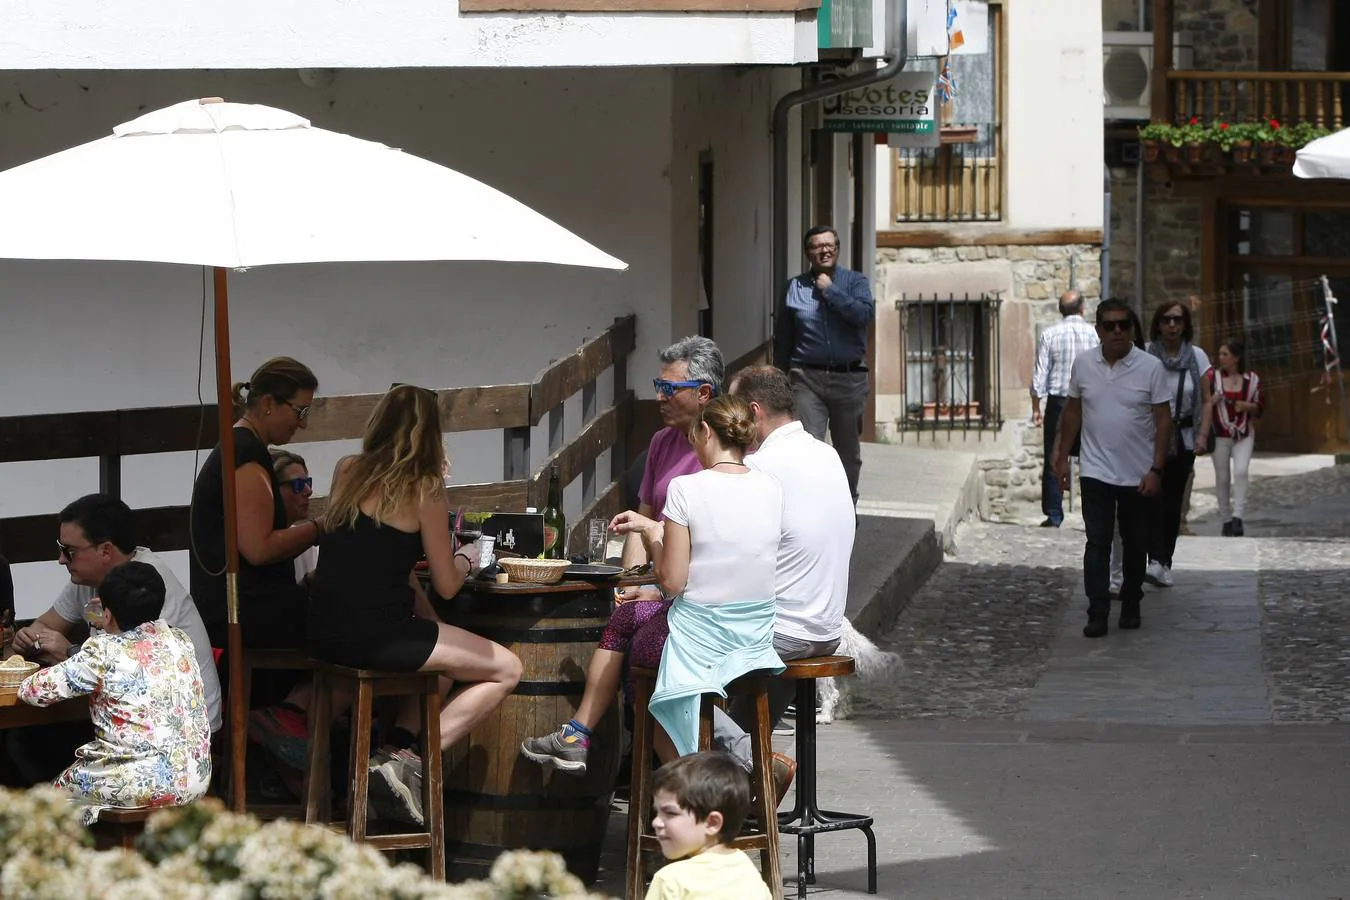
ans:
(946, 83)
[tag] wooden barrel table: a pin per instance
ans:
(495, 798)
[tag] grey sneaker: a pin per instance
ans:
(565, 754)
(391, 795)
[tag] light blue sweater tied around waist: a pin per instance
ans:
(709, 647)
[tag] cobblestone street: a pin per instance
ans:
(979, 636)
(1204, 756)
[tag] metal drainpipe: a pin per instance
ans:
(1105, 281)
(1139, 203)
(900, 41)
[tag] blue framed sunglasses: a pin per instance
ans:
(298, 485)
(667, 389)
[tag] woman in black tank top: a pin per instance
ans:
(388, 508)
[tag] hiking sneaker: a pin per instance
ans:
(283, 732)
(409, 764)
(377, 801)
(392, 795)
(566, 754)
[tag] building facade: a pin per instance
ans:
(1008, 206)
(1229, 225)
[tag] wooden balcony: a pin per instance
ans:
(1287, 97)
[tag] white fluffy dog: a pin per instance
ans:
(835, 695)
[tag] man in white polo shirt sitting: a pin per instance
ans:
(813, 556)
(1119, 398)
(95, 537)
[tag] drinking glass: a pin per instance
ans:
(597, 540)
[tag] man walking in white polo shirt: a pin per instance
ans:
(1119, 398)
(811, 582)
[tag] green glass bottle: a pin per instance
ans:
(555, 525)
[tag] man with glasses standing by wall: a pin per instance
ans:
(95, 538)
(820, 340)
(1120, 403)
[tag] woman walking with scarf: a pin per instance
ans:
(1187, 367)
(1237, 405)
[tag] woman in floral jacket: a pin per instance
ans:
(152, 743)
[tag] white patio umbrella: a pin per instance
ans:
(1327, 157)
(233, 185)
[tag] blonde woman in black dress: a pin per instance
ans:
(387, 509)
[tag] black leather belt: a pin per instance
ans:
(858, 366)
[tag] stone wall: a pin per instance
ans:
(1223, 33)
(1171, 241)
(1012, 480)
(1029, 278)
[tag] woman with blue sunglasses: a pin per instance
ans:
(296, 487)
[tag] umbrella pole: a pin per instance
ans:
(238, 703)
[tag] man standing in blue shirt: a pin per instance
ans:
(820, 340)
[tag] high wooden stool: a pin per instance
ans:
(366, 685)
(807, 819)
(119, 827)
(283, 660)
(764, 803)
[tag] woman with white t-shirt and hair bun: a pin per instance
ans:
(716, 558)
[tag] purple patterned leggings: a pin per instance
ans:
(638, 628)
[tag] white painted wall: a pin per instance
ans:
(149, 34)
(1053, 127)
(1054, 114)
(597, 150)
(728, 112)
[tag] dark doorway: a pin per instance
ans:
(705, 244)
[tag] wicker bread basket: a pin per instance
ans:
(10, 679)
(535, 571)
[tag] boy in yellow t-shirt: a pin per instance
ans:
(700, 802)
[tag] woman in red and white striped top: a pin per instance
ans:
(1237, 405)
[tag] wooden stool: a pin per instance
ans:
(286, 660)
(118, 827)
(366, 685)
(807, 819)
(764, 804)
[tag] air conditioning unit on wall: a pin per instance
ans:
(1127, 72)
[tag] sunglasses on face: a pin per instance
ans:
(820, 248)
(1114, 324)
(68, 551)
(667, 389)
(1173, 320)
(299, 485)
(301, 412)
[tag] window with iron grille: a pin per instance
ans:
(950, 347)
(960, 180)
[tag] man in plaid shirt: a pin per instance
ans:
(1059, 345)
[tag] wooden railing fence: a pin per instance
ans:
(1289, 97)
(513, 408)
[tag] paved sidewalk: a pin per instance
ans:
(1196, 661)
(920, 481)
(1206, 755)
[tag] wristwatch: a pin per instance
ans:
(1155, 470)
